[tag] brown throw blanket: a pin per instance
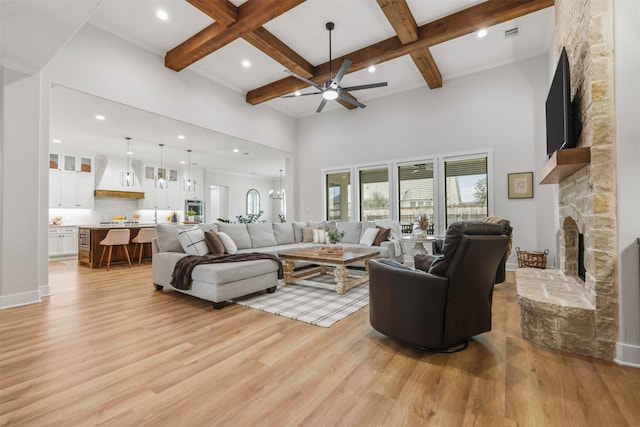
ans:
(181, 277)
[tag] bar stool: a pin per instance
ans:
(115, 237)
(145, 235)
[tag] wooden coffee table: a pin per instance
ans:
(337, 264)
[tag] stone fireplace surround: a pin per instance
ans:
(558, 310)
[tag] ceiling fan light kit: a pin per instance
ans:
(331, 90)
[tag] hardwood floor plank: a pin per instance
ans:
(107, 349)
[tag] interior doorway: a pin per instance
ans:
(218, 202)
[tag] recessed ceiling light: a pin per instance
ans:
(297, 93)
(99, 117)
(372, 68)
(182, 162)
(235, 150)
(246, 63)
(180, 136)
(162, 15)
(57, 141)
(482, 33)
(130, 153)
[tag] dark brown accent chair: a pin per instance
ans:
(442, 308)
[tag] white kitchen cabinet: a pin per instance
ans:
(63, 241)
(167, 195)
(71, 181)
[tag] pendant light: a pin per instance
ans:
(161, 171)
(278, 195)
(189, 180)
(128, 180)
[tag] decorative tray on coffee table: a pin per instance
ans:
(330, 250)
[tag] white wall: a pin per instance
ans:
(23, 218)
(107, 66)
(237, 186)
(500, 109)
(627, 99)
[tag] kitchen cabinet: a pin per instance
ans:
(71, 181)
(63, 241)
(167, 195)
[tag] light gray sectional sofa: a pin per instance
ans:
(224, 281)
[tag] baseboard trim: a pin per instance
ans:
(627, 355)
(16, 300)
(45, 291)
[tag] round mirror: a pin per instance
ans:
(253, 202)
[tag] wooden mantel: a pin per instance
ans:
(564, 163)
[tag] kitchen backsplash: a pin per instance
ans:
(107, 208)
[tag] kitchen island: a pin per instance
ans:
(90, 249)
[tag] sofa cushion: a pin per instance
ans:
(167, 237)
(284, 233)
(192, 241)
(214, 243)
(383, 236)
(352, 231)
(261, 234)
(297, 230)
(229, 245)
(238, 233)
(307, 234)
(369, 236)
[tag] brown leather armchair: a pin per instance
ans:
(440, 309)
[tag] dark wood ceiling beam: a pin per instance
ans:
(450, 27)
(222, 11)
(427, 67)
(270, 45)
(399, 16)
(251, 15)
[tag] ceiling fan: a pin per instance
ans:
(331, 89)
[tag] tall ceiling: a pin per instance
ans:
(368, 32)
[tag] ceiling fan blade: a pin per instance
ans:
(351, 101)
(342, 71)
(302, 94)
(307, 81)
(321, 106)
(360, 87)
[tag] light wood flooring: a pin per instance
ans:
(107, 349)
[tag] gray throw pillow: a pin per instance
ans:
(168, 238)
(297, 231)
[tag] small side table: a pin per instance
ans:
(418, 241)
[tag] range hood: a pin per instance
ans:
(119, 193)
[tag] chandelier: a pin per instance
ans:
(278, 195)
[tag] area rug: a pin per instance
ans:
(320, 307)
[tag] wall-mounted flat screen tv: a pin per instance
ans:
(558, 106)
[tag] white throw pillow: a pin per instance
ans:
(229, 246)
(369, 236)
(192, 241)
(319, 236)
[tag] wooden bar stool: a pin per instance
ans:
(115, 237)
(145, 235)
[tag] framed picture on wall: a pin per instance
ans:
(521, 185)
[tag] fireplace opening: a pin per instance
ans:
(581, 269)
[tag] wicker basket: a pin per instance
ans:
(532, 258)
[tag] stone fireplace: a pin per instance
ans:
(559, 309)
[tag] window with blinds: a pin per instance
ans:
(374, 194)
(466, 190)
(415, 191)
(338, 196)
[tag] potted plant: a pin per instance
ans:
(334, 235)
(190, 214)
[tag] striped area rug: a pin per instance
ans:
(320, 307)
